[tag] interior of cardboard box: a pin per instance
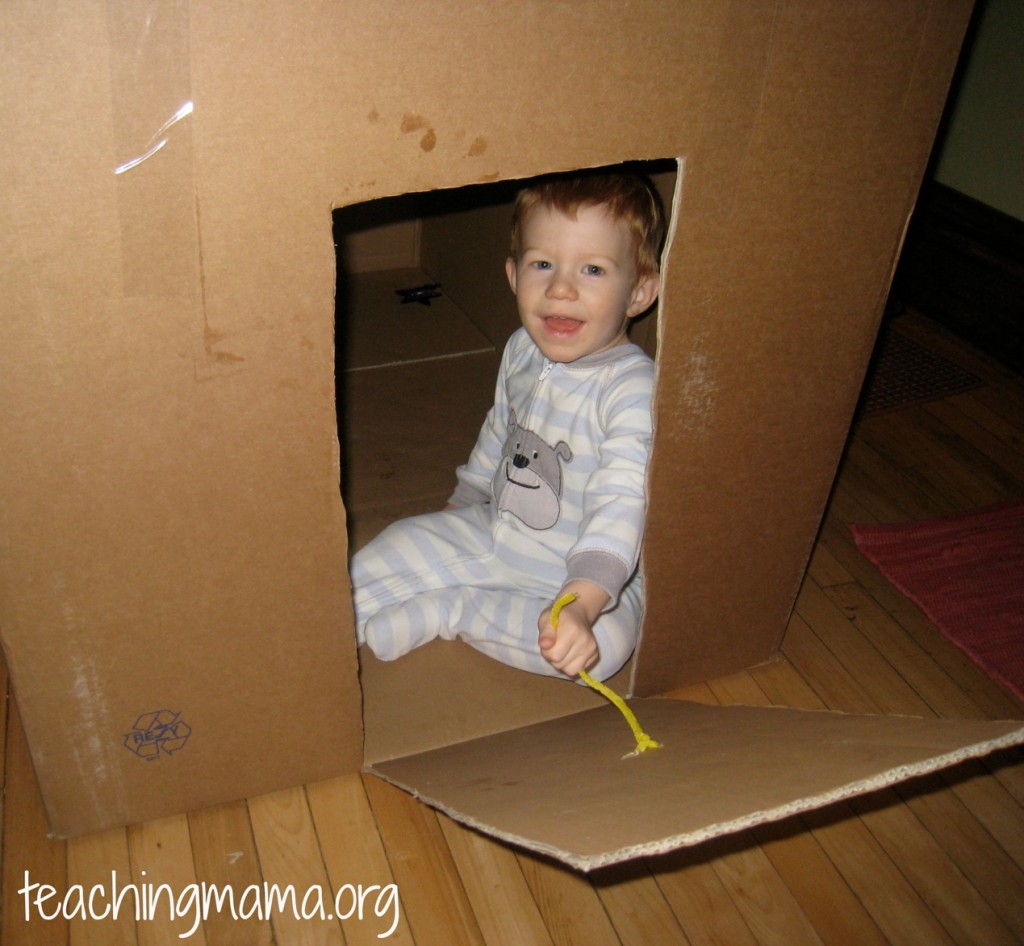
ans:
(423, 311)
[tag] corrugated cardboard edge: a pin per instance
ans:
(886, 779)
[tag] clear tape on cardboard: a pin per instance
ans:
(158, 140)
(152, 160)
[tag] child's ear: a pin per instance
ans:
(643, 297)
(510, 272)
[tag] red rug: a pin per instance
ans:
(966, 573)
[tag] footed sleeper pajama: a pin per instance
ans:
(554, 490)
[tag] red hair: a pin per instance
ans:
(627, 197)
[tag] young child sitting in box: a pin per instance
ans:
(552, 499)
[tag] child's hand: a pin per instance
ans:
(572, 647)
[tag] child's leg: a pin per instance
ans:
(502, 624)
(417, 554)
(439, 575)
(411, 558)
(499, 623)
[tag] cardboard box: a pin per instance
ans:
(175, 610)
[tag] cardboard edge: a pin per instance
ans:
(671, 230)
(886, 779)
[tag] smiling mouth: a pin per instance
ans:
(562, 325)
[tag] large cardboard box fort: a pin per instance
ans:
(175, 608)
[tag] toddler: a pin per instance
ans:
(552, 498)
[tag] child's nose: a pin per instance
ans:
(561, 286)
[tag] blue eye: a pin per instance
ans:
(591, 269)
(542, 264)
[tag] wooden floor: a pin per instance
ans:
(938, 861)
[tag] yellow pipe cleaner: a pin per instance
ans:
(643, 741)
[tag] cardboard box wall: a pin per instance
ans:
(172, 544)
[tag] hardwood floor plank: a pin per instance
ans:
(996, 469)
(101, 861)
(783, 684)
(912, 440)
(502, 900)
(1005, 400)
(569, 904)
(29, 856)
(700, 899)
(894, 905)
(825, 568)
(1006, 457)
(837, 915)
(831, 682)
(163, 872)
(290, 860)
(738, 689)
(766, 904)
(952, 899)
(889, 691)
(891, 492)
(998, 879)
(994, 807)
(354, 854)
(434, 899)
(636, 906)
(695, 693)
(225, 856)
(995, 423)
(928, 680)
(1008, 768)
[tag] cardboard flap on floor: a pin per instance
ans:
(571, 789)
(174, 597)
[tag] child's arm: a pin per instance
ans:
(614, 502)
(573, 647)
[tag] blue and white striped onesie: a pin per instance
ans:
(554, 490)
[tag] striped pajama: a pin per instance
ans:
(554, 490)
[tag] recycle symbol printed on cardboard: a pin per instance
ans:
(154, 733)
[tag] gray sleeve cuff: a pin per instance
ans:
(603, 569)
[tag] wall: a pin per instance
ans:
(982, 151)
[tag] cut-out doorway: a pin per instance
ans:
(423, 310)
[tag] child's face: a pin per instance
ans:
(575, 281)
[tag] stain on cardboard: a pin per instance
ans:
(212, 337)
(413, 123)
(478, 147)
